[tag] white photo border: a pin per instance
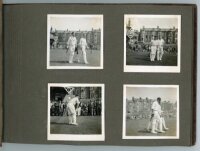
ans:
(158, 69)
(124, 136)
(75, 137)
(48, 41)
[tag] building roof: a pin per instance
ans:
(158, 29)
(76, 31)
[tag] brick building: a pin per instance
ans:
(58, 93)
(93, 37)
(88, 92)
(141, 107)
(140, 39)
(145, 35)
(169, 34)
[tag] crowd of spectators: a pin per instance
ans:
(86, 108)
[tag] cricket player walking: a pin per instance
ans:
(83, 46)
(153, 49)
(71, 45)
(160, 51)
(156, 108)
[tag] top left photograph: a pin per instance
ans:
(74, 41)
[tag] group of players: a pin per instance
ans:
(156, 48)
(157, 122)
(73, 46)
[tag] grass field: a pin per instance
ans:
(59, 57)
(86, 125)
(139, 128)
(142, 58)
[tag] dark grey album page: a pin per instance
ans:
(115, 85)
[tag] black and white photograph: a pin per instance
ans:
(151, 112)
(76, 112)
(74, 41)
(152, 43)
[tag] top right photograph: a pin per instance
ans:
(152, 43)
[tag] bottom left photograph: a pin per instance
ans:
(76, 112)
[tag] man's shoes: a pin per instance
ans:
(76, 124)
(153, 132)
(156, 130)
(166, 129)
(161, 131)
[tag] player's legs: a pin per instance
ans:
(153, 126)
(71, 112)
(157, 120)
(154, 122)
(84, 55)
(161, 53)
(71, 54)
(156, 127)
(158, 54)
(149, 125)
(74, 119)
(150, 57)
(153, 53)
(164, 124)
(154, 56)
(79, 111)
(79, 55)
(160, 124)
(70, 119)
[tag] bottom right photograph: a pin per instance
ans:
(150, 112)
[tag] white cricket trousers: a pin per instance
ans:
(83, 50)
(71, 113)
(156, 120)
(71, 53)
(153, 53)
(160, 53)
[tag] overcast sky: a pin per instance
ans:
(75, 23)
(167, 94)
(150, 22)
